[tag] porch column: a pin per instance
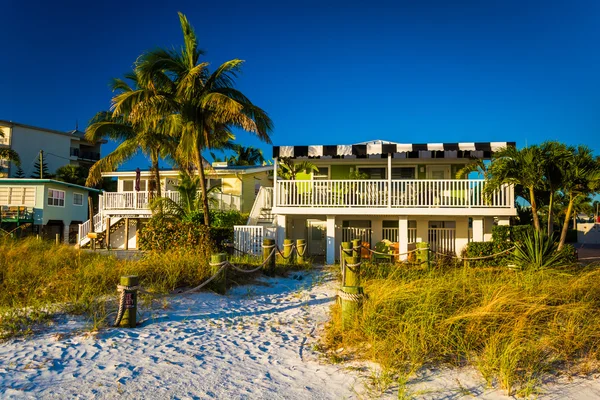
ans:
(403, 237)
(376, 232)
(281, 221)
(126, 247)
(389, 181)
(66, 227)
(422, 230)
(462, 234)
(330, 258)
(478, 229)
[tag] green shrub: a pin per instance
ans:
(164, 234)
(220, 236)
(520, 232)
(501, 233)
(227, 219)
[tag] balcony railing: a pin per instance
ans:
(412, 193)
(141, 200)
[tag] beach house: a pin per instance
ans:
(376, 190)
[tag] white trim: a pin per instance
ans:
(479, 211)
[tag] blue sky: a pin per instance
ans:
(328, 72)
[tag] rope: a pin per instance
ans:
(351, 296)
(205, 282)
(291, 251)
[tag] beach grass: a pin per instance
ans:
(517, 328)
(39, 279)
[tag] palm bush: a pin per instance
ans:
(537, 251)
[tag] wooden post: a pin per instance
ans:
(126, 234)
(287, 250)
(268, 246)
(219, 284)
(351, 288)
(300, 250)
(107, 238)
(130, 314)
(422, 253)
(57, 238)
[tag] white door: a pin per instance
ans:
(317, 242)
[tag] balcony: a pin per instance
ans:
(400, 196)
(138, 202)
(84, 155)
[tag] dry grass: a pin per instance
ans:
(516, 328)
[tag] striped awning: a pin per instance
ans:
(377, 149)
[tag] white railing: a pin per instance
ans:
(349, 234)
(141, 200)
(249, 238)
(442, 239)
(392, 234)
(85, 228)
(411, 193)
(264, 200)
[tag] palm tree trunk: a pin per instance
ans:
(203, 187)
(565, 228)
(536, 220)
(156, 173)
(550, 215)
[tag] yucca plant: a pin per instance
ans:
(537, 251)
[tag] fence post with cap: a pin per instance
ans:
(300, 249)
(287, 249)
(129, 285)
(268, 246)
(219, 284)
(351, 294)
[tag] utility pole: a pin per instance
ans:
(41, 164)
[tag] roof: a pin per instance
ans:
(232, 169)
(75, 134)
(17, 181)
(380, 148)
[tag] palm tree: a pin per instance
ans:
(247, 156)
(288, 169)
(190, 199)
(203, 106)
(9, 154)
(581, 178)
(556, 160)
(137, 134)
(523, 167)
(72, 174)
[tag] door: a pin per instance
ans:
(317, 242)
(438, 172)
(438, 193)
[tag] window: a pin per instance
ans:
(373, 173)
(214, 182)
(128, 186)
(56, 198)
(322, 174)
(403, 173)
(77, 199)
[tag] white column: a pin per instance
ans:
(275, 198)
(281, 221)
(478, 229)
(422, 230)
(330, 258)
(403, 237)
(389, 181)
(66, 227)
(376, 231)
(462, 234)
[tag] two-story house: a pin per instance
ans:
(377, 190)
(60, 148)
(128, 208)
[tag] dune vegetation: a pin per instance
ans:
(517, 327)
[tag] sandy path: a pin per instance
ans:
(253, 343)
